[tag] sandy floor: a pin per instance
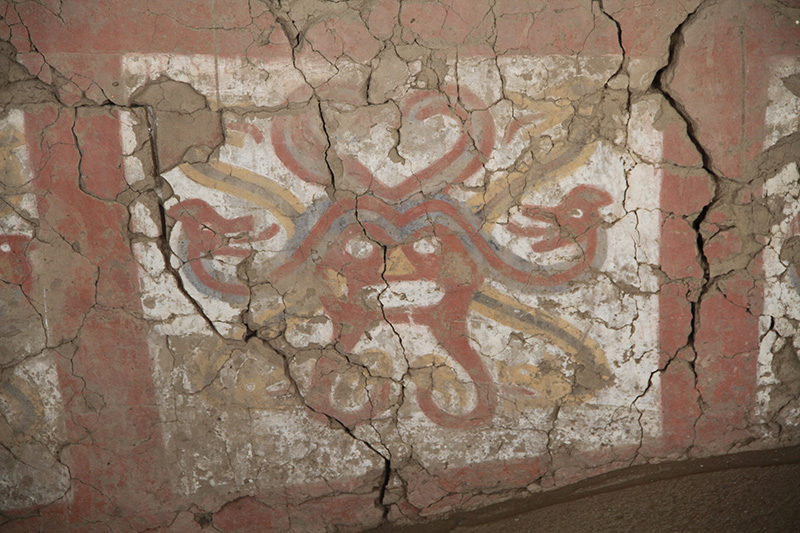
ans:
(758, 491)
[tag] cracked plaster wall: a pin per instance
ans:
(310, 265)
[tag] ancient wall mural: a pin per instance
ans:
(30, 396)
(450, 282)
(324, 266)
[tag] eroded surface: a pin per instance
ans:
(323, 265)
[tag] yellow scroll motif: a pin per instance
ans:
(545, 380)
(249, 186)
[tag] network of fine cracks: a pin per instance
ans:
(294, 33)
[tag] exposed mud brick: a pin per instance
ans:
(182, 121)
(646, 31)
(728, 38)
(323, 266)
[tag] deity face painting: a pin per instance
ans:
(446, 261)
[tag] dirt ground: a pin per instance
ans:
(756, 491)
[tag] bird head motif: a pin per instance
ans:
(575, 216)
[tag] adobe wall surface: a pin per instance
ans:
(315, 266)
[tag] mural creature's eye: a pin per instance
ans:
(428, 245)
(5, 248)
(576, 213)
(359, 247)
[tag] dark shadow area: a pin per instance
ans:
(752, 491)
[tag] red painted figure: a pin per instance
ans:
(438, 259)
(573, 220)
(210, 235)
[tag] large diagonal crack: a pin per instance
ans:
(293, 35)
(335, 422)
(387, 460)
(328, 147)
(163, 244)
(660, 86)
